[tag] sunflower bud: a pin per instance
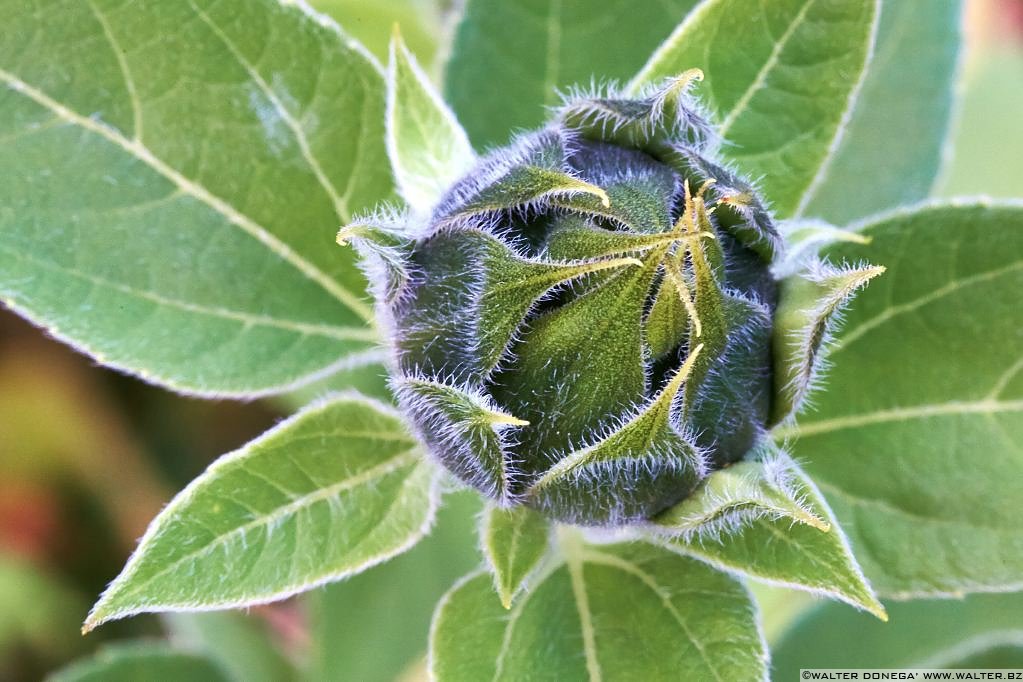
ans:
(584, 322)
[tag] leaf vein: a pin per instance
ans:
(396, 462)
(854, 333)
(138, 150)
(339, 203)
(246, 319)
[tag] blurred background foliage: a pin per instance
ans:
(87, 457)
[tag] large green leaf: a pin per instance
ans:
(375, 625)
(141, 662)
(782, 99)
(616, 612)
(174, 174)
(894, 142)
(916, 442)
(330, 492)
(921, 634)
(509, 58)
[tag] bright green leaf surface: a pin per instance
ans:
(374, 625)
(893, 146)
(174, 174)
(778, 549)
(241, 644)
(782, 99)
(332, 491)
(916, 442)
(427, 146)
(514, 541)
(141, 662)
(510, 57)
(619, 612)
(921, 634)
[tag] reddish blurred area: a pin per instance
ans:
(87, 458)
(1007, 19)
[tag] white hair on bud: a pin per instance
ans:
(453, 442)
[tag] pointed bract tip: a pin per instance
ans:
(680, 83)
(816, 522)
(693, 74)
(349, 233)
(344, 235)
(506, 601)
(495, 417)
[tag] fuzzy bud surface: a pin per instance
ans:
(584, 322)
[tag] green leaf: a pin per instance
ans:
(374, 626)
(330, 492)
(783, 99)
(510, 58)
(966, 633)
(916, 440)
(895, 140)
(427, 147)
(141, 662)
(173, 176)
(610, 612)
(239, 643)
(799, 545)
(729, 498)
(514, 542)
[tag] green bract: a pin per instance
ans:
(584, 322)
